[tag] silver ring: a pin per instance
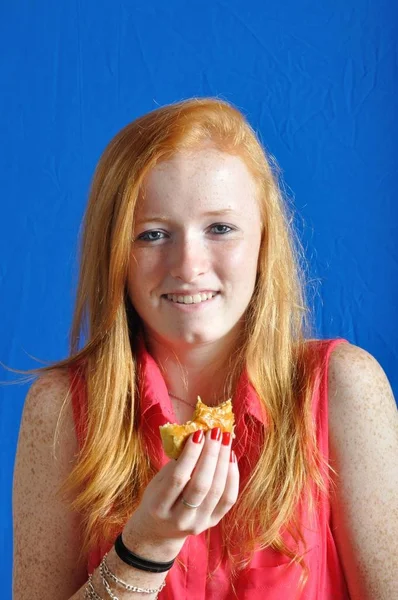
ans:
(188, 505)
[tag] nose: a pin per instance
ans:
(188, 259)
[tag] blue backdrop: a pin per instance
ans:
(317, 80)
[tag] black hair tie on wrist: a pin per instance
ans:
(136, 561)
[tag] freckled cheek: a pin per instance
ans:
(146, 273)
(237, 262)
(146, 266)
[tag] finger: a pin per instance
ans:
(220, 475)
(198, 487)
(175, 478)
(231, 491)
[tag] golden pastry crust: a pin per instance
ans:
(205, 417)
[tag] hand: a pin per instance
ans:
(206, 473)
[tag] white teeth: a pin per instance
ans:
(196, 299)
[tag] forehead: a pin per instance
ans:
(207, 179)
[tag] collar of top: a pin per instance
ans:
(156, 408)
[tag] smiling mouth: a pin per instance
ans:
(187, 299)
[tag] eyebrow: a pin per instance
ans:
(210, 213)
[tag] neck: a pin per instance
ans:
(192, 370)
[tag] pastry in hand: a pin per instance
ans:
(205, 417)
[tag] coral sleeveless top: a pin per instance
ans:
(200, 574)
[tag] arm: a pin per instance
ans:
(47, 534)
(363, 430)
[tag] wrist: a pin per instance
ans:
(129, 575)
(139, 540)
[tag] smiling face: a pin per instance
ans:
(196, 242)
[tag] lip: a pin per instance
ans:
(190, 307)
(191, 292)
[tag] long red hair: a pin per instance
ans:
(112, 469)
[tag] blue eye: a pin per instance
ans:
(151, 236)
(225, 228)
(156, 235)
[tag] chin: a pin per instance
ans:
(191, 338)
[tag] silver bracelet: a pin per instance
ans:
(91, 594)
(106, 584)
(104, 570)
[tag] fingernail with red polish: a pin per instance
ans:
(197, 436)
(215, 433)
(232, 458)
(226, 438)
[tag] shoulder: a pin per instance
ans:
(363, 438)
(356, 380)
(49, 385)
(48, 416)
(48, 398)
